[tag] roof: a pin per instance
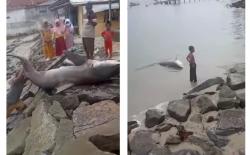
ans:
(59, 4)
(103, 7)
(22, 4)
(99, 5)
(82, 2)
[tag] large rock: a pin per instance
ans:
(132, 125)
(179, 109)
(186, 152)
(236, 81)
(241, 98)
(205, 145)
(227, 103)
(86, 117)
(107, 143)
(226, 92)
(64, 133)
(16, 138)
(163, 127)
(14, 120)
(37, 99)
(154, 117)
(69, 102)
(206, 84)
(230, 121)
(205, 104)
(57, 111)
(219, 141)
(96, 93)
(157, 150)
(142, 142)
(42, 132)
(173, 139)
(80, 146)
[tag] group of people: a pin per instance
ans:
(57, 38)
(88, 34)
(60, 37)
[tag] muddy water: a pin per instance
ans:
(160, 32)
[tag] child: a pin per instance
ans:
(69, 34)
(48, 48)
(59, 37)
(108, 35)
(191, 60)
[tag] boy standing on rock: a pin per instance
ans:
(191, 60)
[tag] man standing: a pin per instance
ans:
(88, 35)
(191, 60)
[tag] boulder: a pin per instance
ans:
(208, 147)
(239, 4)
(230, 121)
(93, 94)
(236, 81)
(186, 152)
(241, 98)
(158, 150)
(14, 120)
(132, 125)
(64, 133)
(42, 132)
(206, 84)
(57, 111)
(219, 141)
(197, 118)
(205, 104)
(16, 138)
(163, 127)
(173, 139)
(227, 103)
(69, 102)
(109, 143)
(226, 92)
(80, 146)
(86, 117)
(179, 109)
(154, 117)
(142, 142)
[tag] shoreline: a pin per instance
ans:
(205, 119)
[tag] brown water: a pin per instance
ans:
(160, 32)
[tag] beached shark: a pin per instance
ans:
(176, 64)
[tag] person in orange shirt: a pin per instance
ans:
(48, 49)
(108, 35)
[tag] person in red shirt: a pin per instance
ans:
(108, 35)
(191, 60)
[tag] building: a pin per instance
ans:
(26, 16)
(75, 10)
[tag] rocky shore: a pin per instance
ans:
(208, 120)
(75, 121)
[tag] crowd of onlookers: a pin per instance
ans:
(60, 37)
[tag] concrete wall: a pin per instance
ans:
(100, 27)
(27, 20)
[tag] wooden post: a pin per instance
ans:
(80, 19)
(109, 10)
